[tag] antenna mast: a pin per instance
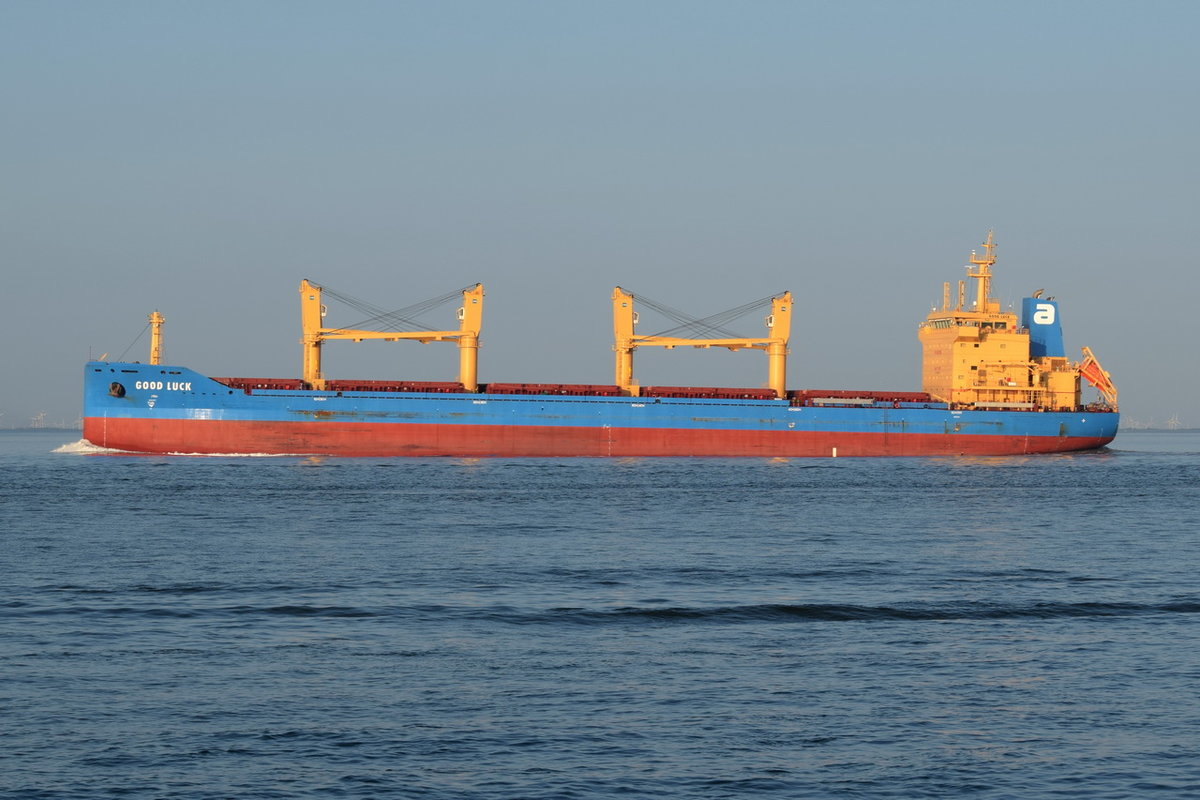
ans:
(983, 273)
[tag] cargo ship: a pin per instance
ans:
(993, 383)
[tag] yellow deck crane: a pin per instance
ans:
(470, 317)
(775, 343)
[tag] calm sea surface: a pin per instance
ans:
(175, 627)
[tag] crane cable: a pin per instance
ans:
(383, 320)
(709, 327)
(135, 341)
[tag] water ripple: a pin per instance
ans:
(739, 614)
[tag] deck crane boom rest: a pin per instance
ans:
(470, 317)
(775, 343)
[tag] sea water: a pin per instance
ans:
(184, 627)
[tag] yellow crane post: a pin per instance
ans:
(624, 318)
(470, 321)
(156, 323)
(312, 313)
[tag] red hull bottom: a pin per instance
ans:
(391, 439)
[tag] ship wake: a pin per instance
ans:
(84, 448)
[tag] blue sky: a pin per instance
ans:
(202, 158)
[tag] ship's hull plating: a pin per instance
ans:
(175, 410)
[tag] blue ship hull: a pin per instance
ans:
(171, 409)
